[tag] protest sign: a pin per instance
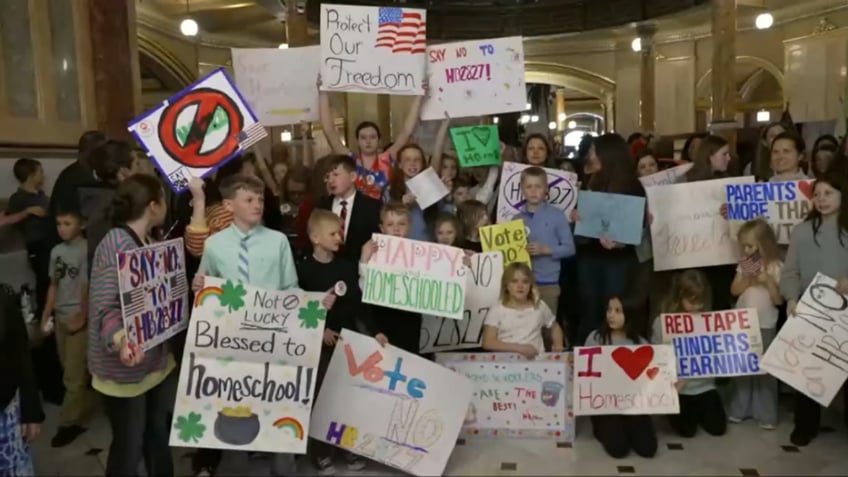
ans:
(482, 290)
(688, 230)
(247, 378)
(617, 217)
(416, 276)
(427, 187)
(562, 191)
(782, 204)
(477, 145)
(514, 397)
(390, 406)
(475, 78)
(674, 175)
(633, 379)
(715, 343)
(509, 238)
(279, 85)
(197, 130)
(373, 49)
(154, 292)
(810, 353)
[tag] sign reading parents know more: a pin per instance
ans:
(248, 373)
(373, 49)
(477, 145)
(481, 291)
(635, 379)
(510, 239)
(617, 217)
(782, 204)
(688, 230)
(714, 343)
(475, 78)
(154, 292)
(391, 406)
(197, 130)
(279, 84)
(514, 397)
(562, 191)
(811, 351)
(416, 276)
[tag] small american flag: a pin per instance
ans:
(751, 266)
(133, 302)
(401, 31)
(251, 135)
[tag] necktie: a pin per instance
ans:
(343, 216)
(243, 262)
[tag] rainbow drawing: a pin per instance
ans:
(290, 423)
(205, 293)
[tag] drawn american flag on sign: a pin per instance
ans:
(251, 135)
(751, 266)
(133, 302)
(401, 31)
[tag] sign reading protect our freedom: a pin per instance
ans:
(509, 238)
(248, 373)
(154, 292)
(416, 276)
(715, 343)
(782, 204)
(373, 49)
(476, 145)
(562, 191)
(198, 130)
(514, 397)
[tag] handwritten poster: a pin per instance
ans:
(248, 373)
(427, 187)
(477, 145)
(635, 379)
(688, 230)
(715, 343)
(562, 191)
(279, 85)
(509, 238)
(514, 397)
(673, 175)
(617, 217)
(475, 78)
(373, 49)
(810, 353)
(782, 204)
(391, 406)
(197, 130)
(482, 289)
(416, 276)
(154, 292)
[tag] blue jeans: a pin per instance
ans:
(601, 277)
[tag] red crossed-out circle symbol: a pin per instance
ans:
(188, 152)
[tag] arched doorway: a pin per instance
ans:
(162, 73)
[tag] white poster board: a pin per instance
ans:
(427, 187)
(672, 175)
(373, 49)
(562, 191)
(280, 85)
(475, 78)
(390, 406)
(782, 204)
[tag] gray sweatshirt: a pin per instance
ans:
(804, 258)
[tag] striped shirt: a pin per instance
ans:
(217, 219)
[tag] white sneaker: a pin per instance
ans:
(767, 427)
(354, 462)
(325, 466)
(734, 420)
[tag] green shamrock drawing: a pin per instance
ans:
(191, 429)
(232, 296)
(311, 315)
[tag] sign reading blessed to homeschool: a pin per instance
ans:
(562, 191)
(782, 204)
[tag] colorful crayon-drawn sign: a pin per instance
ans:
(416, 276)
(715, 343)
(154, 292)
(516, 398)
(634, 379)
(475, 78)
(509, 238)
(562, 191)
(198, 130)
(481, 290)
(782, 204)
(477, 145)
(248, 373)
(810, 353)
(391, 406)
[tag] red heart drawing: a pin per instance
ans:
(652, 372)
(806, 188)
(633, 362)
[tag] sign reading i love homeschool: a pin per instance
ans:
(782, 204)
(416, 276)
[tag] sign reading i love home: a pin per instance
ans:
(782, 204)
(477, 145)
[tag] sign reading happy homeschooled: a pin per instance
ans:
(782, 204)
(373, 49)
(476, 145)
(416, 276)
(198, 130)
(391, 406)
(514, 397)
(509, 238)
(475, 78)
(625, 380)
(248, 373)
(811, 351)
(154, 292)
(562, 191)
(715, 343)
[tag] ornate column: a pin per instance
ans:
(560, 109)
(647, 106)
(722, 77)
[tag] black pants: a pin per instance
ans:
(568, 309)
(319, 449)
(48, 370)
(620, 434)
(808, 414)
(705, 409)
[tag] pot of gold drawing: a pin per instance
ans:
(550, 393)
(237, 426)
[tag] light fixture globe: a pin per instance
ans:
(764, 21)
(636, 44)
(188, 27)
